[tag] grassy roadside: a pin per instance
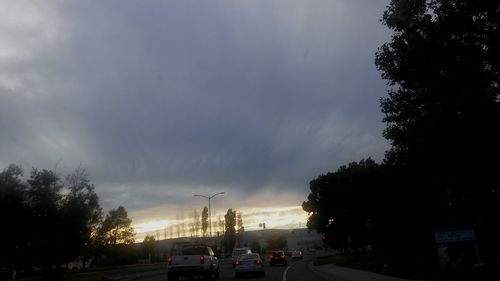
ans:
(413, 267)
(403, 267)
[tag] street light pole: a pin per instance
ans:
(209, 207)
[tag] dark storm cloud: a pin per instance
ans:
(161, 99)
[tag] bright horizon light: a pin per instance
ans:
(287, 217)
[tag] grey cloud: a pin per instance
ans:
(248, 95)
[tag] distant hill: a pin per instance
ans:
(300, 238)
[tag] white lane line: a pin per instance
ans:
(284, 272)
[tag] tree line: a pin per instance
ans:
(229, 231)
(442, 115)
(50, 221)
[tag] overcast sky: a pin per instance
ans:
(161, 100)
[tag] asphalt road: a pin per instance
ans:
(297, 270)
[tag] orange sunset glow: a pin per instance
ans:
(286, 217)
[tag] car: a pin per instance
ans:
(249, 264)
(277, 257)
(194, 260)
(297, 254)
(237, 252)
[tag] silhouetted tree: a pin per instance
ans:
(178, 225)
(230, 223)
(116, 229)
(60, 223)
(195, 225)
(183, 225)
(221, 225)
(44, 199)
(81, 215)
(341, 203)
(115, 238)
(15, 214)
(241, 229)
(204, 221)
(148, 247)
(443, 113)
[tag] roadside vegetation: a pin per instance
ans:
(56, 225)
(442, 114)
(54, 221)
(402, 266)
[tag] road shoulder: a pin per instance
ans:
(335, 272)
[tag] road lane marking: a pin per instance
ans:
(284, 272)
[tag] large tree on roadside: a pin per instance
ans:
(116, 229)
(443, 111)
(342, 205)
(81, 215)
(63, 216)
(443, 67)
(44, 200)
(14, 214)
(443, 107)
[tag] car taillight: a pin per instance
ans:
(202, 259)
(283, 256)
(258, 262)
(169, 260)
(271, 257)
(238, 262)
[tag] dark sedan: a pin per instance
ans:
(277, 257)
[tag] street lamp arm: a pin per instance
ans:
(220, 193)
(210, 197)
(209, 211)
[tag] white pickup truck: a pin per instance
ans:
(193, 261)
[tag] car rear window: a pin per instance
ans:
(249, 257)
(195, 251)
(239, 252)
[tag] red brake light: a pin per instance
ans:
(258, 262)
(282, 256)
(169, 260)
(202, 259)
(237, 262)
